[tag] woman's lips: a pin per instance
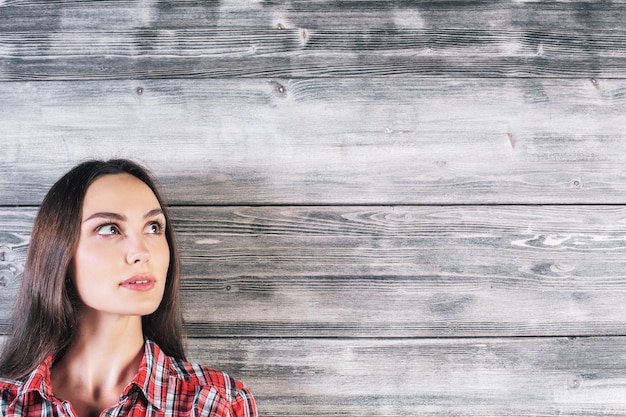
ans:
(139, 283)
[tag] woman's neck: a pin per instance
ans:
(102, 359)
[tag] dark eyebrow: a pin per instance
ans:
(153, 213)
(113, 216)
(121, 218)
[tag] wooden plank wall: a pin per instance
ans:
(385, 208)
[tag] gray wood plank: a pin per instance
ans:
(405, 271)
(30, 15)
(388, 271)
(445, 377)
(311, 141)
(237, 52)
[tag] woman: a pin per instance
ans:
(98, 326)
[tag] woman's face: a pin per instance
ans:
(121, 262)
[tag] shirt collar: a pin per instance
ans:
(153, 374)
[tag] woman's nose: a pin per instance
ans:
(137, 251)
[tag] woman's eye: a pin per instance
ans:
(155, 228)
(107, 230)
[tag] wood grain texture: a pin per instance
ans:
(389, 271)
(28, 15)
(233, 52)
(445, 377)
(342, 141)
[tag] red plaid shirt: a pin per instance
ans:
(164, 386)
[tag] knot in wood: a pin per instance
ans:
(6, 277)
(576, 382)
(279, 88)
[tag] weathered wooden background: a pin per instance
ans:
(385, 208)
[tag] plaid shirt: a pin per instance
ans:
(164, 386)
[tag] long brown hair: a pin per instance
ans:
(46, 310)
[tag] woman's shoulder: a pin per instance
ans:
(9, 385)
(205, 376)
(204, 383)
(9, 390)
